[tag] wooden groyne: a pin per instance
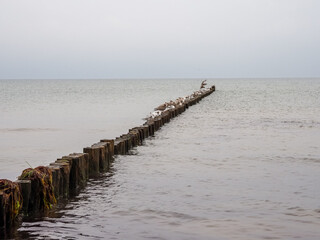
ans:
(39, 189)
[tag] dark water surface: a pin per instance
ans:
(244, 163)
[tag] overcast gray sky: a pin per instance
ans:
(159, 38)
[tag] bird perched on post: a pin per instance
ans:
(203, 84)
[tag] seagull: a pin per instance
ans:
(203, 84)
(161, 107)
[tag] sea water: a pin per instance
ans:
(42, 120)
(244, 163)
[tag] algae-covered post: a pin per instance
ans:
(56, 180)
(25, 188)
(11, 203)
(41, 188)
(2, 212)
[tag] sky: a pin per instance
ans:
(62, 39)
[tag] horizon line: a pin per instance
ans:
(159, 78)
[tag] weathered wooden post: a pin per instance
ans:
(2, 214)
(64, 177)
(116, 147)
(110, 149)
(74, 177)
(56, 180)
(25, 189)
(94, 167)
(59, 189)
(137, 135)
(161, 123)
(123, 146)
(145, 131)
(152, 128)
(83, 162)
(42, 194)
(157, 123)
(132, 138)
(141, 133)
(78, 173)
(172, 112)
(34, 200)
(128, 137)
(74, 173)
(119, 146)
(125, 139)
(166, 117)
(103, 156)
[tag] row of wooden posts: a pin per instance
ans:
(41, 188)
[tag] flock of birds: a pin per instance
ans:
(178, 102)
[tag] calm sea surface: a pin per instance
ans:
(244, 163)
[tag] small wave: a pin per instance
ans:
(170, 214)
(302, 123)
(28, 129)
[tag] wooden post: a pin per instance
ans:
(129, 140)
(136, 136)
(25, 188)
(141, 134)
(2, 214)
(132, 139)
(80, 166)
(119, 146)
(111, 147)
(35, 199)
(128, 144)
(125, 143)
(146, 131)
(74, 178)
(84, 167)
(152, 129)
(94, 167)
(65, 177)
(103, 156)
(116, 147)
(87, 164)
(59, 191)
(56, 180)
(123, 146)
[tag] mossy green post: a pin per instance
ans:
(25, 188)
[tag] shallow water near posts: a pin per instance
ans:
(242, 164)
